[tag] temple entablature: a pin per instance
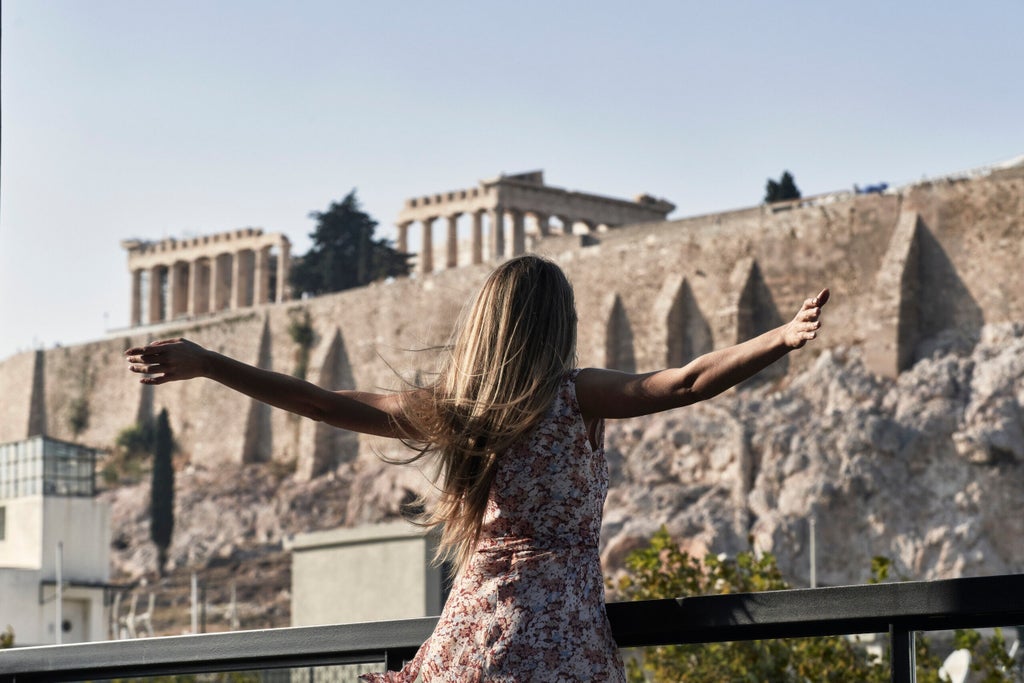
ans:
(181, 278)
(506, 201)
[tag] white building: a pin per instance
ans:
(371, 573)
(52, 525)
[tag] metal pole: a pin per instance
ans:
(904, 655)
(195, 606)
(814, 553)
(59, 628)
(234, 606)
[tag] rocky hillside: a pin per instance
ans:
(927, 470)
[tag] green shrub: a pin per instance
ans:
(663, 570)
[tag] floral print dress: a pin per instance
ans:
(530, 605)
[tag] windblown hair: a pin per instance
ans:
(507, 357)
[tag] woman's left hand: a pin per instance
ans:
(167, 360)
(804, 327)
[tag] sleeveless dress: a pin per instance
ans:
(530, 604)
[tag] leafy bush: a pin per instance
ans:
(663, 570)
(78, 415)
(129, 460)
(300, 329)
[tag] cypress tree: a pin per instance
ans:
(161, 509)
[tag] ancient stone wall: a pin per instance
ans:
(908, 271)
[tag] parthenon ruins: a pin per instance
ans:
(175, 278)
(514, 197)
(183, 278)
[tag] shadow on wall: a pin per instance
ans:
(920, 305)
(689, 334)
(679, 324)
(334, 446)
(947, 316)
(618, 343)
(756, 313)
(259, 445)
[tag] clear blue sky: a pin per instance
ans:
(152, 119)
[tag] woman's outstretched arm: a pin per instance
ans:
(171, 360)
(612, 394)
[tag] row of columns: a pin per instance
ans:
(208, 284)
(498, 247)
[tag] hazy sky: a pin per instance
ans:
(157, 119)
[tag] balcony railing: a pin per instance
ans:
(899, 609)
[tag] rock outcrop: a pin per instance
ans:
(926, 469)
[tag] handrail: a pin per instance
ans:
(897, 608)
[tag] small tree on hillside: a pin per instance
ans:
(782, 190)
(344, 252)
(161, 509)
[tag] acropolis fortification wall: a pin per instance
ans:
(926, 265)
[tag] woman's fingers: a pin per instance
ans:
(153, 348)
(162, 361)
(142, 355)
(148, 368)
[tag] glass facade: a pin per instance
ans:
(39, 465)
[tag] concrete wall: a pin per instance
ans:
(35, 622)
(364, 574)
(909, 270)
(21, 547)
(28, 560)
(35, 524)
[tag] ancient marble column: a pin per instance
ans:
(477, 238)
(427, 248)
(156, 303)
(497, 233)
(543, 223)
(220, 274)
(283, 268)
(518, 233)
(193, 287)
(402, 243)
(452, 241)
(177, 290)
(198, 286)
(241, 281)
(136, 311)
(261, 277)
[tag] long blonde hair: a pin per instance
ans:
(508, 355)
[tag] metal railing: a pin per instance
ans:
(899, 609)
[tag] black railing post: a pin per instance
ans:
(903, 654)
(394, 660)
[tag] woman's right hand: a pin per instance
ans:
(168, 360)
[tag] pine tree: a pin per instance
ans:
(785, 188)
(344, 252)
(161, 509)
